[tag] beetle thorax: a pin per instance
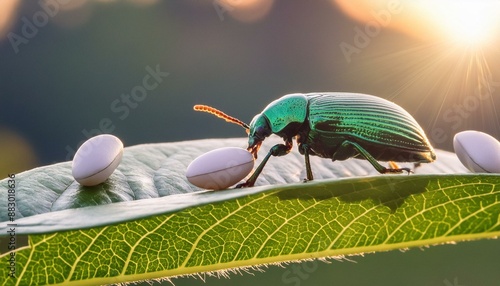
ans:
(287, 114)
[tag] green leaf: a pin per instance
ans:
(158, 170)
(112, 235)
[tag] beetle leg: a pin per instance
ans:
(381, 169)
(394, 166)
(276, 150)
(304, 148)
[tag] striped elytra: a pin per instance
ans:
(387, 130)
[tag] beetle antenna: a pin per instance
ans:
(220, 114)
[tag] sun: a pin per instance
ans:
(466, 22)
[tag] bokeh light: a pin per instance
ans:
(16, 153)
(247, 10)
(7, 15)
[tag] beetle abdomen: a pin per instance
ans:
(384, 127)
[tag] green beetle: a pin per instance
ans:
(338, 126)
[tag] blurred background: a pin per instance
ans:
(70, 70)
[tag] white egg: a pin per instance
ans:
(478, 151)
(220, 168)
(97, 159)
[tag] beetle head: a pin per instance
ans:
(259, 130)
